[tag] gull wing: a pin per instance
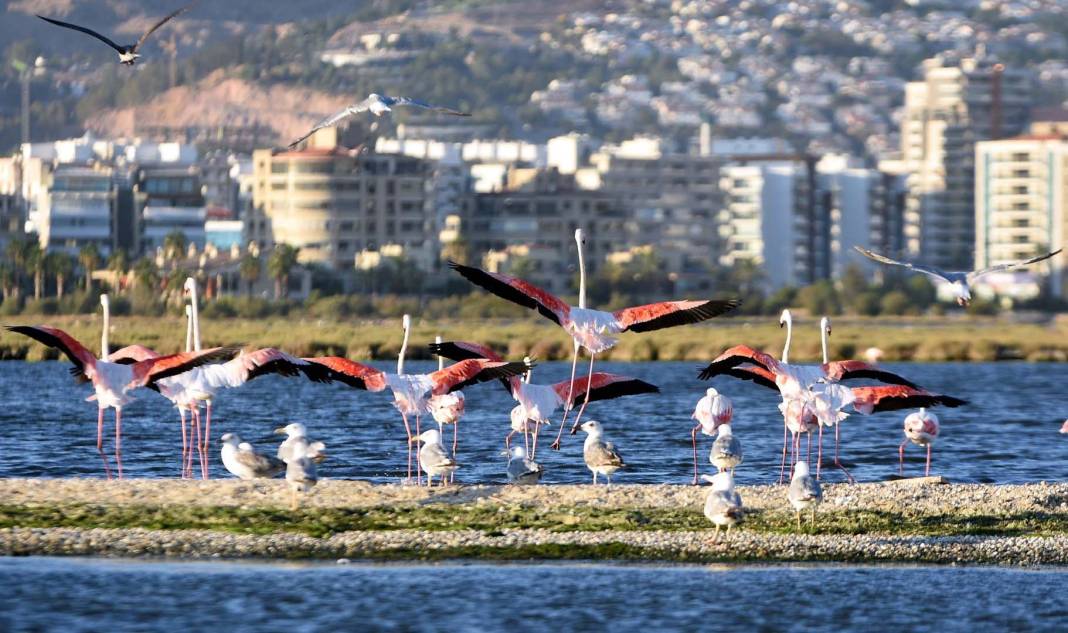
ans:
(68, 25)
(408, 101)
(333, 119)
(972, 276)
(882, 259)
(156, 26)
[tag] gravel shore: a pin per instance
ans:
(911, 501)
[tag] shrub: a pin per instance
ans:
(895, 302)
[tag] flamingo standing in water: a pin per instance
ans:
(411, 392)
(538, 402)
(711, 412)
(921, 428)
(113, 382)
(593, 330)
(447, 408)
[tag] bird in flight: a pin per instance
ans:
(377, 105)
(961, 281)
(128, 53)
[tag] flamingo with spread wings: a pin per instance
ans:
(537, 403)
(593, 330)
(113, 382)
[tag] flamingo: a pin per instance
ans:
(712, 411)
(412, 391)
(113, 382)
(593, 330)
(537, 403)
(448, 408)
(921, 428)
(204, 384)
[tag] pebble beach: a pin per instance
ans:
(922, 520)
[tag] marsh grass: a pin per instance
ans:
(962, 339)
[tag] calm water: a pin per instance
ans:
(1009, 432)
(100, 595)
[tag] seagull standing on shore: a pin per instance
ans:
(723, 506)
(726, 451)
(433, 458)
(296, 433)
(377, 105)
(128, 53)
(805, 492)
(301, 473)
(520, 469)
(961, 281)
(243, 462)
(601, 457)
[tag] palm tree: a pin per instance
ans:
(175, 245)
(61, 265)
(118, 264)
(7, 279)
(38, 261)
(18, 253)
(89, 258)
(250, 270)
(146, 273)
(281, 262)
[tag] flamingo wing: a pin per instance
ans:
(353, 374)
(473, 371)
(148, 372)
(83, 360)
(657, 316)
(868, 400)
(463, 350)
(738, 355)
(851, 369)
(261, 362)
(131, 354)
(755, 374)
(517, 291)
(603, 386)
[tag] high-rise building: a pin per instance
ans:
(955, 105)
(171, 200)
(334, 203)
(1021, 203)
(75, 207)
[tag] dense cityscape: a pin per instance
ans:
(712, 146)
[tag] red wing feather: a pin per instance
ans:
(896, 397)
(351, 373)
(603, 386)
(852, 369)
(473, 371)
(738, 355)
(149, 371)
(517, 291)
(656, 316)
(83, 359)
(131, 354)
(463, 350)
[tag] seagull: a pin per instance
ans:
(601, 457)
(520, 469)
(805, 492)
(377, 105)
(244, 462)
(961, 281)
(297, 433)
(128, 54)
(723, 506)
(432, 456)
(726, 451)
(300, 469)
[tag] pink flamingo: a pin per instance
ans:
(593, 330)
(112, 382)
(711, 412)
(537, 403)
(921, 428)
(412, 391)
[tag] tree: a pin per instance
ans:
(118, 264)
(61, 265)
(280, 263)
(7, 279)
(146, 274)
(19, 253)
(37, 261)
(175, 245)
(89, 258)
(249, 270)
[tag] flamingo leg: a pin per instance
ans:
(782, 467)
(838, 462)
(567, 403)
(534, 440)
(819, 454)
(586, 400)
(508, 440)
(418, 461)
(901, 458)
(526, 439)
(199, 443)
(118, 440)
(693, 437)
(207, 439)
(808, 454)
(100, 441)
(927, 470)
(185, 440)
(408, 430)
(455, 433)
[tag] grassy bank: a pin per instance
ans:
(943, 339)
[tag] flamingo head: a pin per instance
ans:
(406, 322)
(189, 288)
(104, 300)
(825, 325)
(580, 237)
(786, 318)
(293, 429)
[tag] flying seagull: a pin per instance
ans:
(128, 54)
(377, 105)
(961, 281)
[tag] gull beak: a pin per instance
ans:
(414, 440)
(279, 431)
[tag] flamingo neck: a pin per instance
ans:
(789, 337)
(526, 359)
(441, 359)
(105, 351)
(823, 342)
(582, 275)
(403, 351)
(188, 329)
(196, 319)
